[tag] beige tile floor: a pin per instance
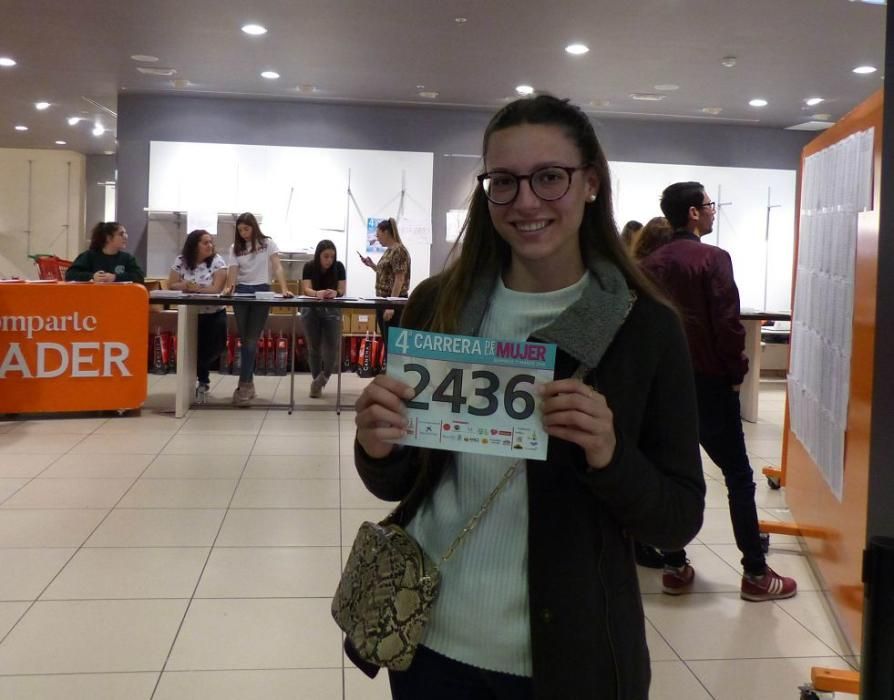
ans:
(150, 557)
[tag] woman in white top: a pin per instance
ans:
(254, 258)
(199, 269)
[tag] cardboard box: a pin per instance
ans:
(363, 322)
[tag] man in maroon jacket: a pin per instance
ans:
(699, 278)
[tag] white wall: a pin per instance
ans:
(56, 206)
(742, 224)
(301, 193)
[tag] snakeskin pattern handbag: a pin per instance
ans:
(387, 588)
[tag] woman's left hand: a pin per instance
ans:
(578, 413)
(388, 314)
(287, 294)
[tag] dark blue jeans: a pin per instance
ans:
(720, 433)
(322, 331)
(433, 676)
(250, 320)
(212, 343)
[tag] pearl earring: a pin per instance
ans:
(591, 198)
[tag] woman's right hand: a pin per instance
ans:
(381, 415)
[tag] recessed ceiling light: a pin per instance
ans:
(758, 102)
(306, 87)
(73, 120)
(7, 62)
(166, 72)
(712, 110)
(21, 127)
(821, 117)
(813, 101)
(41, 105)
(180, 83)
(728, 61)
(109, 153)
(98, 130)
(524, 90)
(254, 29)
(865, 70)
(460, 20)
(144, 58)
(270, 74)
(428, 94)
(872, 2)
(61, 143)
(646, 96)
(667, 87)
(577, 49)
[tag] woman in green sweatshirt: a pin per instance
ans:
(105, 261)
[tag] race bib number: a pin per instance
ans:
(472, 394)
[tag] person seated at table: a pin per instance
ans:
(105, 260)
(324, 278)
(199, 268)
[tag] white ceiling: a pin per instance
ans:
(76, 55)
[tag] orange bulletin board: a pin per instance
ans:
(72, 347)
(838, 552)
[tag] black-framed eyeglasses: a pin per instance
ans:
(711, 205)
(549, 184)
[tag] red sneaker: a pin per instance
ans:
(770, 586)
(677, 579)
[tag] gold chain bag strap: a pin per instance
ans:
(388, 585)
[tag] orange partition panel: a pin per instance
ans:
(72, 347)
(839, 557)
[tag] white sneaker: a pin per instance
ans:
(202, 393)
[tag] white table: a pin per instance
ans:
(750, 391)
(187, 334)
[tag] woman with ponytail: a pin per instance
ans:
(392, 273)
(105, 260)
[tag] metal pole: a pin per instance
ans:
(28, 230)
(767, 247)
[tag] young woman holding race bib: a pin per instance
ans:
(542, 600)
(254, 259)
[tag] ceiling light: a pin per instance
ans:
(712, 110)
(254, 29)
(577, 49)
(7, 62)
(109, 153)
(872, 2)
(270, 74)
(180, 83)
(305, 87)
(865, 70)
(813, 101)
(144, 58)
(758, 102)
(61, 143)
(460, 20)
(21, 127)
(73, 120)
(166, 72)
(98, 130)
(728, 61)
(824, 117)
(646, 96)
(524, 90)
(41, 105)
(428, 94)
(667, 87)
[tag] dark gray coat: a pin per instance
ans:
(587, 624)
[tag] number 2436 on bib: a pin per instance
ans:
(473, 394)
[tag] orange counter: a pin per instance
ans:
(72, 347)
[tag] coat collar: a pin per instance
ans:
(585, 329)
